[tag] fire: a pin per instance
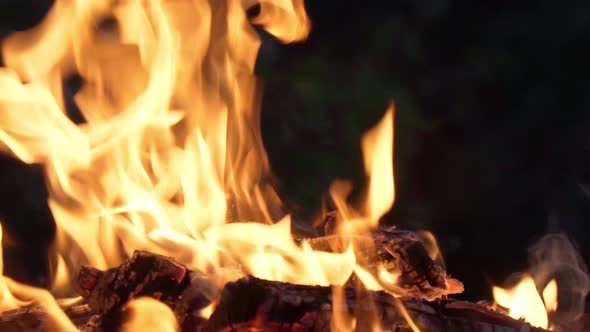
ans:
(14, 294)
(171, 149)
(169, 158)
(149, 315)
(550, 296)
(524, 301)
(378, 161)
(377, 147)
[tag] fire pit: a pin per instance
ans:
(166, 216)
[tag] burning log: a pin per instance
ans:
(145, 274)
(253, 304)
(271, 306)
(250, 304)
(33, 318)
(401, 253)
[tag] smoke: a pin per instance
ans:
(555, 257)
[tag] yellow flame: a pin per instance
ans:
(14, 295)
(400, 306)
(170, 157)
(341, 320)
(377, 146)
(285, 19)
(207, 311)
(523, 301)
(149, 315)
(171, 147)
(550, 296)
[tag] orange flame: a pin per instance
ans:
(555, 265)
(171, 148)
(524, 301)
(377, 146)
(170, 157)
(14, 294)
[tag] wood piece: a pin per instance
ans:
(145, 274)
(251, 304)
(401, 253)
(33, 318)
(254, 304)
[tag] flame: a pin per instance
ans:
(169, 157)
(555, 257)
(557, 267)
(14, 295)
(207, 311)
(341, 320)
(171, 150)
(377, 148)
(524, 301)
(550, 296)
(377, 145)
(402, 309)
(149, 315)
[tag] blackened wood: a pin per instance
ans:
(254, 304)
(34, 318)
(251, 304)
(145, 274)
(399, 252)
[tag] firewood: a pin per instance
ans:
(145, 274)
(252, 304)
(399, 252)
(33, 318)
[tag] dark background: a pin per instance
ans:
(492, 140)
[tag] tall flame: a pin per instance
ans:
(377, 148)
(378, 161)
(170, 150)
(169, 157)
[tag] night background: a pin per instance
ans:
(492, 139)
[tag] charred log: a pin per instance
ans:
(252, 304)
(34, 318)
(400, 252)
(145, 274)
